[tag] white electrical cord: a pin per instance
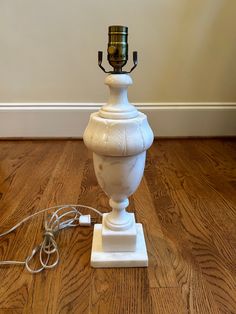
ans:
(64, 217)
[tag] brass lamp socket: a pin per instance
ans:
(117, 50)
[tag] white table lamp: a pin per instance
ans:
(118, 135)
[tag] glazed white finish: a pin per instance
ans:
(119, 136)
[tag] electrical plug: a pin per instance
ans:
(86, 220)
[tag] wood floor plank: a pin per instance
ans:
(160, 270)
(168, 301)
(186, 203)
(120, 291)
(67, 291)
(216, 207)
(15, 283)
(196, 234)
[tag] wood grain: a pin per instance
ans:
(186, 202)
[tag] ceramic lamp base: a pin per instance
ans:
(102, 259)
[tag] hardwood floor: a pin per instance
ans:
(186, 202)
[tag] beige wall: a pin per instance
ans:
(48, 49)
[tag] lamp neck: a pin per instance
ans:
(118, 105)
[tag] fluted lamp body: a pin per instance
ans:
(119, 136)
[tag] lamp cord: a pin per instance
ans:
(64, 216)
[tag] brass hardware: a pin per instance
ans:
(117, 50)
(112, 50)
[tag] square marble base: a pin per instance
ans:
(119, 241)
(101, 259)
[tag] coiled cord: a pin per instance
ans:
(64, 216)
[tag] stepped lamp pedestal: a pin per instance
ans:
(119, 136)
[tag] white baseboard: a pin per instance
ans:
(51, 120)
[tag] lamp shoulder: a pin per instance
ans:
(118, 137)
